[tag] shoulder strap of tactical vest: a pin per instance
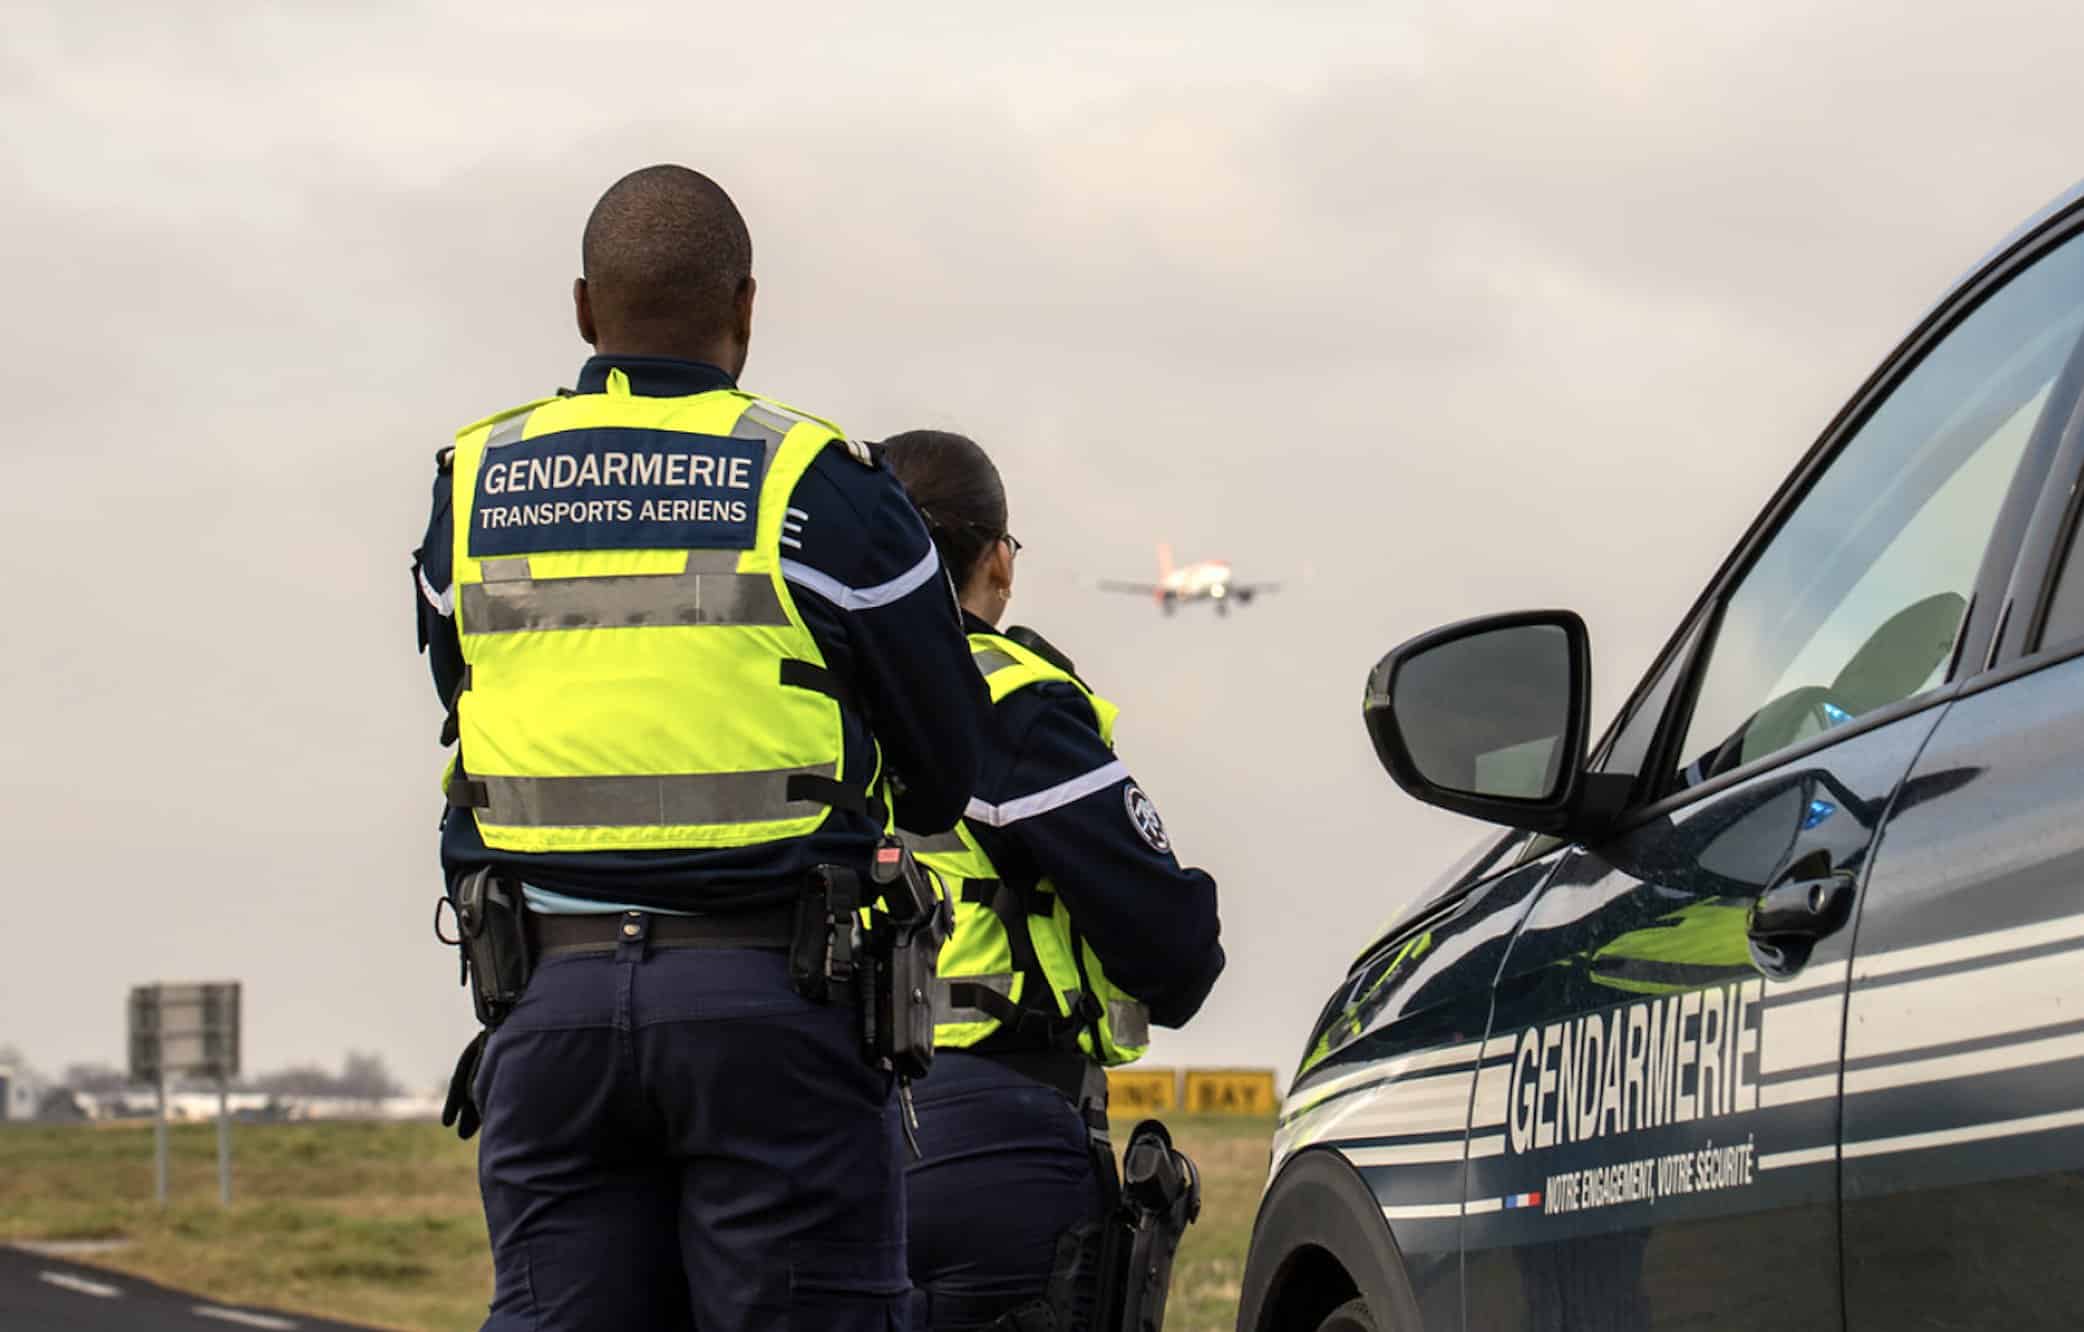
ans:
(1028, 1024)
(1009, 666)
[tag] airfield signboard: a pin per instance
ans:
(187, 1031)
(184, 1031)
(1231, 1091)
(1142, 1091)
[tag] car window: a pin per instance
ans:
(1858, 599)
(1630, 747)
(2065, 623)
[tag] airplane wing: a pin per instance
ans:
(1139, 589)
(1253, 589)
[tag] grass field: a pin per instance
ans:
(379, 1223)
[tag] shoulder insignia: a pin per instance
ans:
(855, 449)
(1143, 817)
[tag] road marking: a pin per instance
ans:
(242, 1317)
(66, 1281)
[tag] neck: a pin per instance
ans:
(723, 355)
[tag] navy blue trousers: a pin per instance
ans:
(1004, 1170)
(682, 1141)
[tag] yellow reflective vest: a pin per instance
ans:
(1016, 974)
(637, 674)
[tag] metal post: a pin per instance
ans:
(159, 1145)
(224, 1141)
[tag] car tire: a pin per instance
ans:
(1352, 1316)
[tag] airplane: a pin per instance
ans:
(1208, 580)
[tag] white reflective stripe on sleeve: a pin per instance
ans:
(1056, 797)
(444, 602)
(864, 598)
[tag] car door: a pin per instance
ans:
(1654, 1138)
(1964, 1053)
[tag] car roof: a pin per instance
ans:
(2062, 203)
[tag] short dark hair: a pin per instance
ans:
(665, 245)
(957, 491)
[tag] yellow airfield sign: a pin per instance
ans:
(1142, 1090)
(1231, 1091)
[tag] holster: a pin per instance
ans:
(1159, 1196)
(494, 938)
(891, 964)
(905, 935)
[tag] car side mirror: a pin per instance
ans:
(1488, 717)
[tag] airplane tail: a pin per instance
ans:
(1164, 561)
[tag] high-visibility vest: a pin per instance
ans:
(1017, 973)
(637, 674)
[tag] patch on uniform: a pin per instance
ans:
(617, 489)
(1144, 815)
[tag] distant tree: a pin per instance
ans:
(11, 1057)
(366, 1077)
(362, 1077)
(302, 1080)
(93, 1078)
(60, 1106)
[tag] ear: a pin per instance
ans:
(1000, 566)
(582, 306)
(742, 304)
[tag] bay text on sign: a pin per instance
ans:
(1141, 1091)
(1231, 1091)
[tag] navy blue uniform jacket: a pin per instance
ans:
(870, 587)
(1054, 802)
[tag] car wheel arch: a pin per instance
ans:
(1319, 1240)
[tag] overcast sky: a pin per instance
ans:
(1429, 313)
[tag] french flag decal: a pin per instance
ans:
(1522, 1200)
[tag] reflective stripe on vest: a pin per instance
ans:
(991, 660)
(600, 802)
(620, 601)
(944, 1007)
(949, 843)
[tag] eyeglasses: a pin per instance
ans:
(1012, 542)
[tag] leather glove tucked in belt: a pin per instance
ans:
(461, 1109)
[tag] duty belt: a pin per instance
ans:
(556, 935)
(1071, 1073)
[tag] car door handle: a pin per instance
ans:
(1807, 906)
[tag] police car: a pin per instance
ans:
(1768, 1009)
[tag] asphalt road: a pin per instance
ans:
(39, 1294)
